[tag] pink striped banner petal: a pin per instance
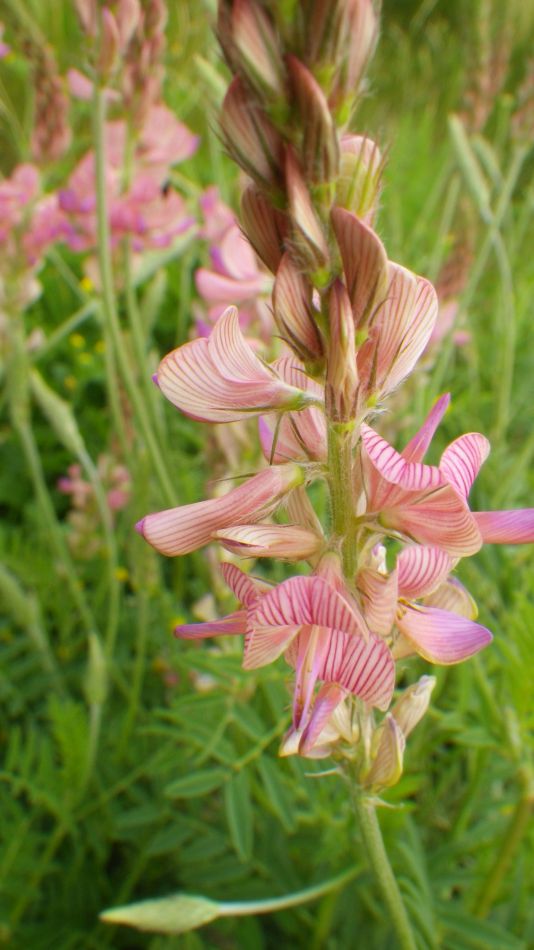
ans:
(264, 645)
(308, 600)
(247, 590)
(415, 451)
(462, 460)
(422, 568)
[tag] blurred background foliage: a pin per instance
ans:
(156, 770)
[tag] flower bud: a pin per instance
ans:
(386, 768)
(341, 371)
(413, 704)
(358, 184)
(292, 304)
(265, 227)
(309, 240)
(320, 150)
(255, 48)
(249, 137)
(364, 261)
(110, 43)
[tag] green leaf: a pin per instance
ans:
(175, 914)
(474, 933)
(198, 783)
(239, 814)
(276, 792)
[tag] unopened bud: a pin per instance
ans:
(309, 240)
(110, 43)
(358, 184)
(293, 312)
(255, 48)
(320, 150)
(341, 371)
(360, 38)
(413, 704)
(249, 137)
(87, 11)
(364, 261)
(265, 227)
(386, 768)
(128, 18)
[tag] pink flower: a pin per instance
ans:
(428, 503)
(323, 637)
(181, 530)
(220, 378)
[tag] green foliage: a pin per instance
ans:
(149, 767)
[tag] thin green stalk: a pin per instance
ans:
(109, 305)
(379, 861)
(70, 325)
(272, 904)
(513, 836)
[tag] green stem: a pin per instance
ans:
(379, 861)
(272, 904)
(513, 836)
(342, 493)
(109, 305)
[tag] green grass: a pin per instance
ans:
(154, 769)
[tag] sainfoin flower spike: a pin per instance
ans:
(380, 585)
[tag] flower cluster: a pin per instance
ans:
(382, 584)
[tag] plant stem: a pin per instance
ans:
(109, 305)
(512, 839)
(379, 861)
(272, 904)
(340, 467)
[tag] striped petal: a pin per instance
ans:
(364, 263)
(326, 702)
(299, 435)
(462, 460)
(442, 637)
(506, 527)
(178, 531)
(220, 379)
(307, 601)
(247, 590)
(410, 476)
(287, 541)
(379, 597)
(421, 569)
(264, 644)
(415, 451)
(233, 624)
(410, 321)
(362, 667)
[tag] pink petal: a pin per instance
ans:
(220, 379)
(411, 476)
(506, 527)
(379, 595)
(327, 700)
(416, 449)
(364, 262)
(247, 590)
(363, 667)
(453, 596)
(411, 323)
(218, 288)
(235, 623)
(181, 530)
(265, 644)
(421, 569)
(442, 637)
(439, 518)
(462, 460)
(267, 540)
(307, 600)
